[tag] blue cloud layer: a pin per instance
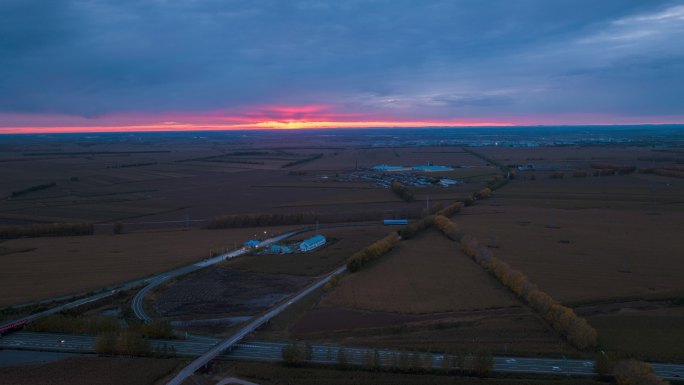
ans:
(427, 58)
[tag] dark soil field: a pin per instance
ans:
(222, 292)
(90, 371)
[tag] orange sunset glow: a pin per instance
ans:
(257, 118)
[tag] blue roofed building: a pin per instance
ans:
(252, 243)
(312, 243)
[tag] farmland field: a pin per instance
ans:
(582, 244)
(50, 267)
(428, 274)
(660, 335)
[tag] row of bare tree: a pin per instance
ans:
(563, 319)
(379, 248)
(46, 230)
(402, 191)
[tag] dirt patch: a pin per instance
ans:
(224, 292)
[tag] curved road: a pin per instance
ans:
(250, 327)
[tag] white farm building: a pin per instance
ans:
(312, 243)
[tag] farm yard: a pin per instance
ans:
(342, 243)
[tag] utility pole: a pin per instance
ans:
(187, 220)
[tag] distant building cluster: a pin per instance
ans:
(427, 168)
(383, 175)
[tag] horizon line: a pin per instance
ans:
(166, 128)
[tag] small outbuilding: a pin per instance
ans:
(312, 243)
(252, 243)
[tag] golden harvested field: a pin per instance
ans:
(346, 241)
(660, 335)
(428, 274)
(68, 265)
(91, 371)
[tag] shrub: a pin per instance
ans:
(469, 244)
(361, 258)
(122, 343)
(447, 227)
(484, 193)
(411, 230)
(450, 210)
(632, 372)
(156, 329)
(402, 191)
(294, 355)
(575, 329)
(483, 364)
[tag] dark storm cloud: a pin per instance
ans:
(430, 58)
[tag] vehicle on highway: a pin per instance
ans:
(556, 368)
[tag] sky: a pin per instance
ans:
(131, 65)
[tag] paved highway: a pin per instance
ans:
(250, 327)
(321, 353)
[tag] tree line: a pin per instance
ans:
(302, 161)
(37, 187)
(563, 319)
(46, 230)
(77, 324)
(379, 248)
(667, 171)
(480, 363)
